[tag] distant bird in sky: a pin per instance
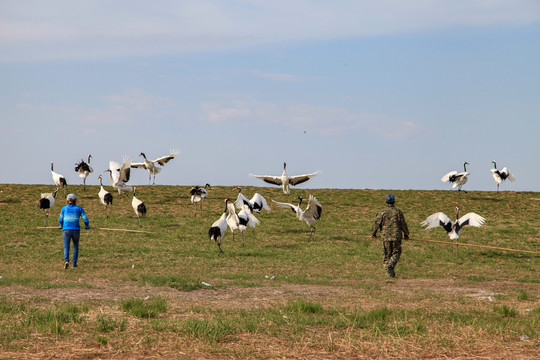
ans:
(501, 175)
(138, 206)
(47, 202)
(150, 165)
(285, 180)
(453, 228)
(241, 220)
(84, 169)
(59, 179)
(457, 179)
(199, 193)
(105, 196)
(120, 174)
(311, 214)
(218, 228)
(256, 204)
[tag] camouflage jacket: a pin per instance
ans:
(392, 224)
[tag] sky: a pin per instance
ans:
(373, 94)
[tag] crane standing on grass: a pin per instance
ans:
(84, 169)
(241, 220)
(218, 228)
(59, 179)
(120, 174)
(198, 194)
(138, 206)
(46, 203)
(501, 175)
(255, 204)
(150, 165)
(457, 179)
(104, 196)
(311, 214)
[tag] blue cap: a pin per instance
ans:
(72, 197)
(390, 199)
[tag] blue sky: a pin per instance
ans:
(384, 95)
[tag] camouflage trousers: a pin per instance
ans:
(391, 254)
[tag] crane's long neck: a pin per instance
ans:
(52, 167)
(457, 213)
(494, 164)
(465, 166)
(89, 156)
(101, 181)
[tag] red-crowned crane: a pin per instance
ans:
(84, 169)
(501, 175)
(285, 180)
(198, 194)
(59, 179)
(311, 214)
(120, 174)
(150, 165)
(46, 203)
(453, 228)
(255, 204)
(138, 206)
(218, 228)
(457, 179)
(104, 196)
(241, 220)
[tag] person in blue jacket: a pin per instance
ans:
(69, 223)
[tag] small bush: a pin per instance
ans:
(145, 309)
(505, 311)
(522, 295)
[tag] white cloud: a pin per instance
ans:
(278, 76)
(60, 29)
(319, 119)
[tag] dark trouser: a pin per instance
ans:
(69, 235)
(391, 254)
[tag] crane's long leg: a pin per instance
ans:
(241, 232)
(219, 246)
(46, 218)
(139, 218)
(311, 234)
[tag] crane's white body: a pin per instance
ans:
(285, 180)
(255, 204)
(104, 196)
(59, 179)
(120, 174)
(500, 175)
(150, 165)
(138, 206)
(241, 220)
(198, 194)
(457, 179)
(219, 227)
(311, 214)
(46, 202)
(84, 169)
(453, 228)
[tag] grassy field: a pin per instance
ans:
(173, 295)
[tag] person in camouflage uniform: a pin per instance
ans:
(391, 222)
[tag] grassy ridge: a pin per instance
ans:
(276, 254)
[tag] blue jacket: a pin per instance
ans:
(69, 217)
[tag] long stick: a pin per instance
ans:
(479, 246)
(109, 229)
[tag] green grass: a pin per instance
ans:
(326, 295)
